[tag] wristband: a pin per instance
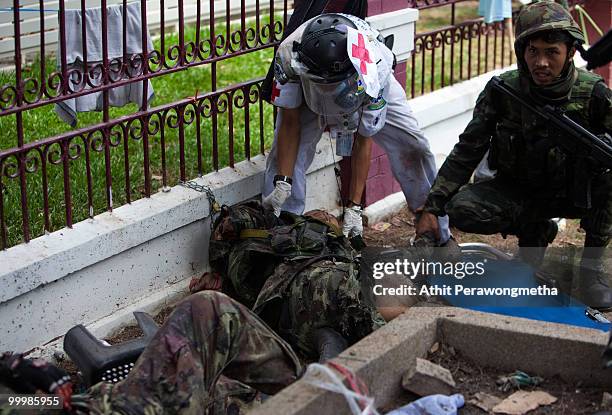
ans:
(281, 178)
(350, 203)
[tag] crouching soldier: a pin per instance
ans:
(536, 178)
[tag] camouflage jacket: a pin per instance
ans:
(519, 142)
(298, 275)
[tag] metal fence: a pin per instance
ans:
(39, 174)
(458, 51)
(53, 181)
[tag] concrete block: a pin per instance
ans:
(426, 378)
(384, 208)
(382, 358)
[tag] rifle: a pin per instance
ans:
(590, 152)
(600, 53)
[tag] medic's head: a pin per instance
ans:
(330, 82)
(322, 48)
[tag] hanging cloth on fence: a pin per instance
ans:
(495, 10)
(119, 96)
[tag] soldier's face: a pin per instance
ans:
(546, 60)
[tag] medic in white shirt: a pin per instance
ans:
(335, 72)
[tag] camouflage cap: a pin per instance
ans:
(543, 16)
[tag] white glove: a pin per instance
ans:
(276, 199)
(353, 224)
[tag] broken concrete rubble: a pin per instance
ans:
(427, 378)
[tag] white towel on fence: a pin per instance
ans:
(119, 96)
(495, 10)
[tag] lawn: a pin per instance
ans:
(125, 160)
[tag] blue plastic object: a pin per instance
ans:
(432, 405)
(504, 274)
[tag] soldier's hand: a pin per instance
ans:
(428, 224)
(276, 199)
(353, 223)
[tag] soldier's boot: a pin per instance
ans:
(593, 288)
(329, 343)
(534, 240)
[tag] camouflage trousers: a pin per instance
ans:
(328, 294)
(499, 207)
(207, 335)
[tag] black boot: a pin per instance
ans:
(593, 286)
(329, 343)
(534, 240)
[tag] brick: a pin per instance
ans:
(601, 12)
(400, 73)
(377, 188)
(384, 167)
(396, 186)
(426, 378)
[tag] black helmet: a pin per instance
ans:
(323, 48)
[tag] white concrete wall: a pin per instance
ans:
(137, 257)
(445, 113)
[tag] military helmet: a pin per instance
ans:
(544, 16)
(323, 47)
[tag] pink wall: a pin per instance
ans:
(380, 181)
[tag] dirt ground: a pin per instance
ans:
(471, 379)
(401, 229)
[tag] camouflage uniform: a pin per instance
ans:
(533, 175)
(206, 335)
(301, 297)
(298, 276)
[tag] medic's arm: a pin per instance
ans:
(288, 141)
(360, 165)
(465, 156)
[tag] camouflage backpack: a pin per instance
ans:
(248, 243)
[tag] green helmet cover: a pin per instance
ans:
(544, 16)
